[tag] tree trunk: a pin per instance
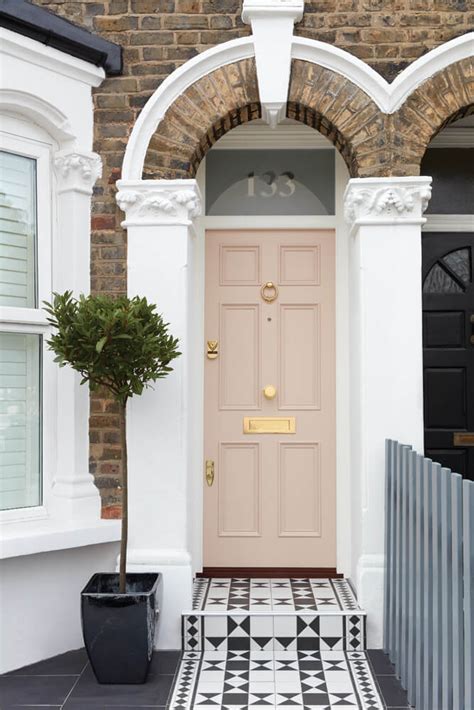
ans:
(124, 537)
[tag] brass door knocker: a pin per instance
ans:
(269, 292)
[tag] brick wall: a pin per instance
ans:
(159, 35)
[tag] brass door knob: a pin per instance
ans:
(270, 392)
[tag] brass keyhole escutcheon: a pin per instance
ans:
(270, 392)
(209, 472)
(269, 292)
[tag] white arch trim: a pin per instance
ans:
(388, 97)
(39, 111)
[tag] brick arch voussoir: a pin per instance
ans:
(340, 110)
(203, 113)
(445, 97)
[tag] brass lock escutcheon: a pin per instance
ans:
(269, 292)
(209, 472)
(212, 349)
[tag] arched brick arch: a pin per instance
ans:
(228, 97)
(372, 143)
(447, 96)
(337, 108)
(210, 107)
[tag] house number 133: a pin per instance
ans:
(282, 185)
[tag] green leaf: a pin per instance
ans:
(100, 345)
(139, 345)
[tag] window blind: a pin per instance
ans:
(17, 230)
(20, 455)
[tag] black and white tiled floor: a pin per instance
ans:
(273, 615)
(66, 682)
(273, 595)
(259, 680)
(274, 643)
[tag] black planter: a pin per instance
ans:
(119, 629)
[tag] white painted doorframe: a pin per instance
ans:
(195, 438)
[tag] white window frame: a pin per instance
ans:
(25, 139)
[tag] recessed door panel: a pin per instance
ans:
(300, 357)
(299, 493)
(442, 411)
(239, 356)
(239, 490)
(270, 399)
(239, 266)
(444, 329)
(299, 266)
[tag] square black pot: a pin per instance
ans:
(119, 629)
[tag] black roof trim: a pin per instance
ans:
(50, 29)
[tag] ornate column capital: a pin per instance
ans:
(155, 202)
(77, 171)
(386, 200)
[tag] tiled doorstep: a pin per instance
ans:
(274, 632)
(263, 679)
(301, 595)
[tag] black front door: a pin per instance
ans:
(448, 349)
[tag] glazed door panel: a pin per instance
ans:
(273, 502)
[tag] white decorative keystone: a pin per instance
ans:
(272, 28)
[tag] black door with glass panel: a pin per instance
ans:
(448, 349)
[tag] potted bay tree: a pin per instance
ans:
(120, 345)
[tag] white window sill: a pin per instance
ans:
(34, 536)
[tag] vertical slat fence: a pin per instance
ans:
(429, 590)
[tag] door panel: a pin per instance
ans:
(448, 348)
(299, 357)
(239, 490)
(299, 494)
(239, 356)
(273, 498)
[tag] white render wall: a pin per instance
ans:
(40, 605)
(49, 552)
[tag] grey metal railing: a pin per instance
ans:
(429, 580)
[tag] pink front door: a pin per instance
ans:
(270, 430)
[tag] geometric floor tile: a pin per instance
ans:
(291, 614)
(273, 595)
(241, 679)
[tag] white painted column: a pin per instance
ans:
(385, 215)
(75, 497)
(158, 222)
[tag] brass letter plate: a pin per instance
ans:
(269, 425)
(463, 438)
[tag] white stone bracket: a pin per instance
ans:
(272, 24)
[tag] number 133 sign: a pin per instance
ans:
(271, 184)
